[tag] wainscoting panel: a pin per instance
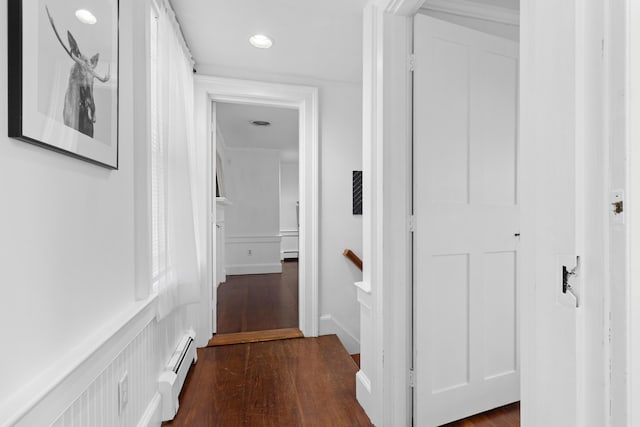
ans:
(253, 254)
(88, 395)
(98, 405)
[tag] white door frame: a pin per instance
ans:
(387, 92)
(627, 367)
(383, 387)
(209, 89)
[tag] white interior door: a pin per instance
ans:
(466, 207)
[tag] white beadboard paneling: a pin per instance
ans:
(141, 351)
(64, 381)
(98, 405)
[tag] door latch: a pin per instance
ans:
(570, 281)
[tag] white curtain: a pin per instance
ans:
(179, 282)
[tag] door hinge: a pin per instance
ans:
(412, 223)
(412, 62)
(412, 378)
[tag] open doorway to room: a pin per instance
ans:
(257, 222)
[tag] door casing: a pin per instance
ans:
(209, 89)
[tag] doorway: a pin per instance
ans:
(303, 99)
(257, 220)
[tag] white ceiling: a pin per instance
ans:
(234, 122)
(318, 39)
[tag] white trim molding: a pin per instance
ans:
(330, 326)
(56, 389)
(152, 415)
(239, 240)
(289, 233)
(626, 366)
(386, 285)
(476, 10)
(210, 89)
(253, 269)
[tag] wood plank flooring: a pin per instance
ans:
(506, 416)
(297, 382)
(257, 302)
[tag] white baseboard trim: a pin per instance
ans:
(364, 381)
(44, 399)
(329, 326)
(152, 415)
(288, 255)
(254, 269)
(363, 393)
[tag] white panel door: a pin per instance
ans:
(467, 222)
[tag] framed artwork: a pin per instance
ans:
(63, 76)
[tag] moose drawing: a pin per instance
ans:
(79, 107)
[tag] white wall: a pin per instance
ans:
(340, 154)
(511, 32)
(289, 184)
(252, 219)
(66, 245)
(68, 272)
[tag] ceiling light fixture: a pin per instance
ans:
(86, 17)
(260, 41)
(260, 123)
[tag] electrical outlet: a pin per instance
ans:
(123, 392)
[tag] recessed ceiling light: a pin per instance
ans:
(86, 17)
(260, 41)
(260, 123)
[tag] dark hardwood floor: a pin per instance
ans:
(258, 302)
(506, 416)
(296, 382)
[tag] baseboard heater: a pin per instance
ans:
(172, 379)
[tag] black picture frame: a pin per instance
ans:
(64, 94)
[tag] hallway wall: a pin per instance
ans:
(66, 241)
(69, 321)
(340, 146)
(252, 219)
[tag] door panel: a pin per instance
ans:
(468, 218)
